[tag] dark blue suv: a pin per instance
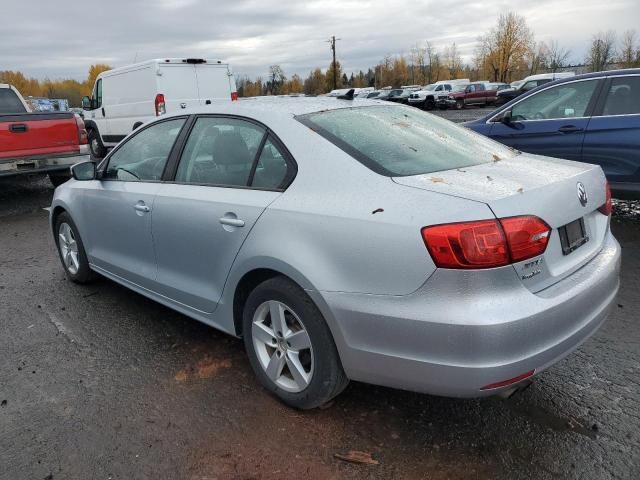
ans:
(593, 118)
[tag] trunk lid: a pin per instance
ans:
(533, 185)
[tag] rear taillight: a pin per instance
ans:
(161, 108)
(486, 243)
(234, 96)
(607, 207)
(82, 131)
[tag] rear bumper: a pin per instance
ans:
(461, 332)
(42, 164)
(625, 191)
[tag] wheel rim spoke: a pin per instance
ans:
(297, 370)
(275, 366)
(276, 310)
(68, 249)
(263, 334)
(299, 340)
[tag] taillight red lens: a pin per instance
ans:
(486, 243)
(510, 381)
(607, 207)
(82, 131)
(478, 244)
(526, 236)
(234, 96)
(161, 108)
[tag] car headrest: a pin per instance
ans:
(229, 148)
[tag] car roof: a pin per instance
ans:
(279, 106)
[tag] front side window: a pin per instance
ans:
(143, 157)
(623, 97)
(99, 93)
(568, 100)
(439, 88)
(530, 85)
(471, 88)
(220, 151)
(398, 141)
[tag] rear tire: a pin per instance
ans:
(293, 356)
(98, 150)
(71, 250)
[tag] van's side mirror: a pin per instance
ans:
(86, 103)
(84, 171)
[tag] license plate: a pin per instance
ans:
(572, 236)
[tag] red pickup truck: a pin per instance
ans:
(38, 142)
(478, 93)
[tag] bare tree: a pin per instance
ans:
(433, 61)
(538, 58)
(630, 53)
(602, 51)
(417, 58)
(557, 56)
(452, 60)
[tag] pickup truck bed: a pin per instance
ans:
(40, 142)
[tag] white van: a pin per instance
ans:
(125, 98)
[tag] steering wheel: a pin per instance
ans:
(539, 116)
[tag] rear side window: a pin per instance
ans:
(623, 97)
(220, 151)
(9, 102)
(400, 141)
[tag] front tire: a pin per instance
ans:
(98, 150)
(71, 250)
(459, 104)
(290, 346)
(429, 104)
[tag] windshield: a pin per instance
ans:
(431, 86)
(400, 141)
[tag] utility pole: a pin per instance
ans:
(332, 41)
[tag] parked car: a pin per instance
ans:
(477, 93)
(125, 98)
(400, 95)
(350, 240)
(429, 96)
(529, 83)
(592, 118)
(384, 94)
(38, 142)
(498, 86)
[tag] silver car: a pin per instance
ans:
(350, 239)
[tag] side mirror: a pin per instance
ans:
(506, 117)
(86, 103)
(84, 171)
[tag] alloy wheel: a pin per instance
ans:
(283, 346)
(68, 248)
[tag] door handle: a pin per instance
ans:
(18, 128)
(569, 129)
(232, 222)
(103, 114)
(142, 208)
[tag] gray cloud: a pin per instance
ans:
(55, 39)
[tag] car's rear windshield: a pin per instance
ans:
(400, 141)
(9, 102)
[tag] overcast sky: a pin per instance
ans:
(61, 38)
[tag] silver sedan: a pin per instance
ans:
(350, 239)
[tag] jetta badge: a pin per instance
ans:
(582, 194)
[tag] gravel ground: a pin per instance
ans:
(99, 382)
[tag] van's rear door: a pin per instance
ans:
(215, 82)
(179, 85)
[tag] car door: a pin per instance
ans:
(230, 170)
(550, 122)
(612, 139)
(98, 112)
(119, 206)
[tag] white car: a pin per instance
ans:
(125, 98)
(429, 96)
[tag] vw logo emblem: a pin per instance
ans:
(183, 105)
(582, 194)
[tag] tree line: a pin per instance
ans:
(507, 52)
(72, 90)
